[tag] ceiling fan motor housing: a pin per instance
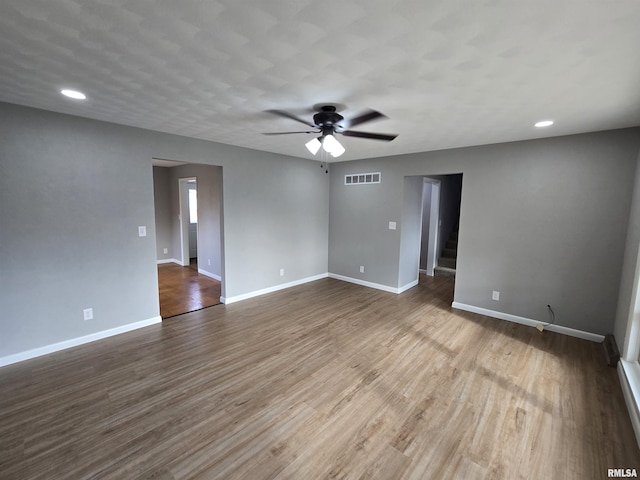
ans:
(327, 119)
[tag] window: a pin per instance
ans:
(193, 205)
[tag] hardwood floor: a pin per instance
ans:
(183, 289)
(323, 380)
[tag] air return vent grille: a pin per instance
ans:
(362, 178)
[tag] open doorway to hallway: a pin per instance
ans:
(430, 219)
(188, 211)
(441, 199)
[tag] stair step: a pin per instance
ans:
(449, 252)
(447, 262)
(440, 271)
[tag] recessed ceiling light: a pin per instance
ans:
(544, 123)
(73, 94)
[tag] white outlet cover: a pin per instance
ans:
(361, 268)
(495, 295)
(142, 231)
(282, 272)
(392, 225)
(88, 313)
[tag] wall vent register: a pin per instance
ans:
(362, 178)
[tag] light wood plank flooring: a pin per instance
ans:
(183, 289)
(323, 380)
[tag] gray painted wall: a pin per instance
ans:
(632, 249)
(162, 207)
(359, 224)
(542, 221)
(410, 231)
(73, 192)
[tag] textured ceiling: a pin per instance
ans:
(447, 73)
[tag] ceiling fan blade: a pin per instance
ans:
(364, 117)
(286, 133)
(282, 113)
(373, 136)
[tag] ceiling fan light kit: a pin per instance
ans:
(332, 146)
(330, 123)
(313, 145)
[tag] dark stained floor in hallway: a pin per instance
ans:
(183, 289)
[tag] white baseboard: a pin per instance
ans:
(209, 274)
(631, 391)
(169, 260)
(364, 283)
(275, 288)
(426, 272)
(529, 322)
(408, 286)
(74, 342)
(377, 286)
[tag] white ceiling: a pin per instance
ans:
(447, 73)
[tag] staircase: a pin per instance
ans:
(447, 261)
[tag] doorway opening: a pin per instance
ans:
(188, 191)
(429, 233)
(188, 211)
(441, 198)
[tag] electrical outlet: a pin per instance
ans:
(166, 250)
(88, 313)
(142, 231)
(361, 268)
(209, 262)
(495, 296)
(282, 272)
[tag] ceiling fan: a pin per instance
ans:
(328, 123)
